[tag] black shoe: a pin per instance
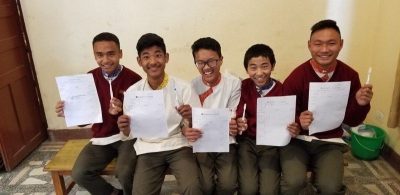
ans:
(120, 192)
(117, 192)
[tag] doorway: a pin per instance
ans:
(23, 125)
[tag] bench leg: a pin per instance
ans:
(58, 182)
(70, 186)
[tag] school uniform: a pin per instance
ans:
(226, 94)
(155, 156)
(322, 152)
(258, 166)
(106, 143)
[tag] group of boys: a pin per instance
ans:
(247, 168)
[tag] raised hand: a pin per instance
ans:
(115, 106)
(124, 124)
(233, 127)
(185, 111)
(364, 95)
(294, 129)
(191, 134)
(306, 118)
(60, 108)
(242, 125)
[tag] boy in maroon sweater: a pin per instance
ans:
(258, 166)
(322, 152)
(106, 143)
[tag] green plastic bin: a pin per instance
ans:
(367, 148)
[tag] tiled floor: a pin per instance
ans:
(361, 177)
(29, 178)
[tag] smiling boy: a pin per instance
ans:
(215, 90)
(95, 156)
(157, 155)
(321, 152)
(259, 171)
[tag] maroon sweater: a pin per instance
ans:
(249, 97)
(298, 83)
(124, 80)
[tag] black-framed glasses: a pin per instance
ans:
(211, 63)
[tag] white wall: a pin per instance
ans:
(61, 31)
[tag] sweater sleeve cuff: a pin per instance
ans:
(125, 138)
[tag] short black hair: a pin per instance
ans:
(149, 40)
(259, 50)
(106, 36)
(206, 43)
(324, 24)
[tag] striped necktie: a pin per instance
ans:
(323, 70)
(267, 86)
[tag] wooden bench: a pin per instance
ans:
(62, 163)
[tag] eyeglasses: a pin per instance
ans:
(211, 63)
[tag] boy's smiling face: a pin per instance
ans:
(107, 55)
(153, 61)
(259, 70)
(211, 64)
(325, 46)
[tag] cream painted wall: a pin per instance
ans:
(61, 31)
(384, 55)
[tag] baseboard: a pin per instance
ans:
(63, 135)
(391, 157)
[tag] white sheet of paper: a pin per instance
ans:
(214, 123)
(274, 114)
(146, 110)
(327, 101)
(81, 102)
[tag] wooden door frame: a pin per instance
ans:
(31, 63)
(25, 124)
